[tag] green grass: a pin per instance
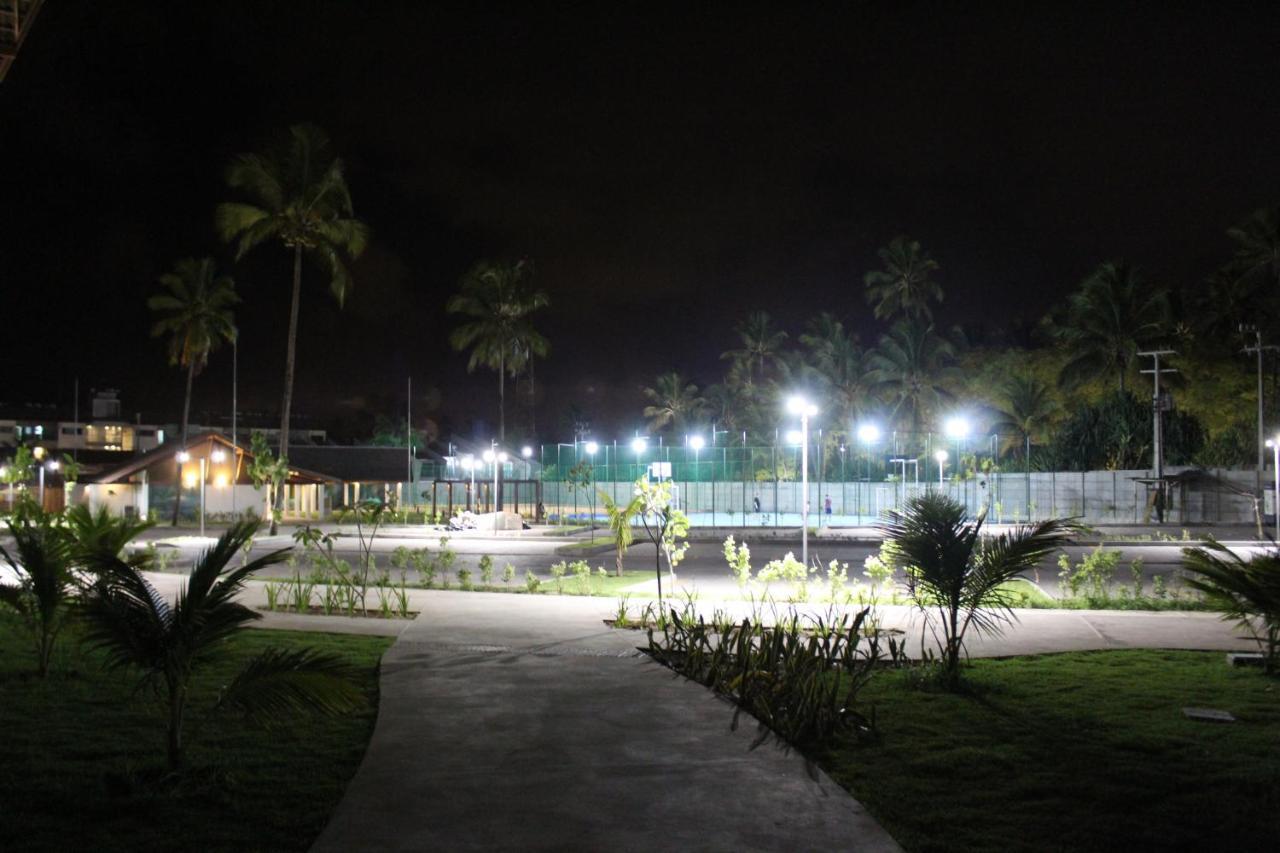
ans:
(82, 756)
(1079, 751)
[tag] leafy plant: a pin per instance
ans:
(557, 575)
(956, 576)
(1247, 591)
(788, 570)
(138, 629)
(464, 578)
(739, 559)
(665, 525)
(620, 518)
(582, 573)
(531, 582)
(508, 574)
(46, 584)
(486, 570)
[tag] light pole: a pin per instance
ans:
(592, 447)
(638, 445)
(869, 434)
(1274, 444)
(469, 465)
(697, 443)
(957, 428)
(800, 406)
(941, 457)
(52, 465)
(183, 458)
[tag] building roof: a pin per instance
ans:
(354, 464)
(170, 449)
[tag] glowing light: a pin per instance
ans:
(941, 456)
(183, 456)
(468, 462)
(218, 456)
(526, 451)
(798, 405)
(38, 452)
(795, 437)
(189, 481)
(697, 442)
(52, 465)
(591, 447)
(502, 456)
(638, 444)
(487, 456)
(221, 481)
(868, 433)
(957, 427)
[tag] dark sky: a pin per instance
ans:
(668, 169)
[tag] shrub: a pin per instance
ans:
(1247, 591)
(789, 570)
(486, 570)
(531, 582)
(739, 559)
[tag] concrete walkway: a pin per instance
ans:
(522, 723)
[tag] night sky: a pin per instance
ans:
(667, 169)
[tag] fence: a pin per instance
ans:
(1096, 497)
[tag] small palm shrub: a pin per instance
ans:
(46, 587)
(1247, 591)
(955, 575)
(165, 642)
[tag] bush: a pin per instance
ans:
(1247, 591)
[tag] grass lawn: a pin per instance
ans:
(81, 754)
(1078, 751)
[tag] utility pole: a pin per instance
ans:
(1157, 421)
(1257, 349)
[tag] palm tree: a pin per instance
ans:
(621, 516)
(1109, 319)
(1258, 246)
(955, 576)
(674, 402)
(904, 285)
(761, 345)
(1028, 407)
(300, 199)
(909, 366)
(1244, 590)
(195, 312)
(840, 365)
(496, 299)
(167, 642)
(45, 587)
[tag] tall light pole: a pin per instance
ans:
(469, 465)
(1274, 444)
(868, 434)
(1157, 424)
(1258, 349)
(52, 465)
(638, 445)
(697, 443)
(941, 457)
(956, 428)
(592, 447)
(800, 406)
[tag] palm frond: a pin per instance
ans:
(279, 683)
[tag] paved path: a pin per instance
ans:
(522, 723)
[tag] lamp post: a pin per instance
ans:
(958, 428)
(697, 442)
(183, 458)
(469, 465)
(941, 457)
(1274, 444)
(638, 445)
(592, 448)
(52, 465)
(800, 406)
(868, 434)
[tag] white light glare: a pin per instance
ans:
(941, 456)
(957, 427)
(868, 433)
(697, 442)
(794, 436)
(591, 447)
(798, 405)
(638, 444)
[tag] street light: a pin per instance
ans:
(957, 427)
(941, 457)
(798, 405)
(697, 442)
(526, 452)
(1274, 444)
(638, 445)
(591, 447)
(469, 464)
(52, 465)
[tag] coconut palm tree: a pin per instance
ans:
(761, 345)
(955, 575)
(1028, 405)
(621, 516)
(299, 198)
(1258, 246)
(46, 585)
(904, 286)
(840, 365)
(194, 310)
(137, 629)
(498, 303)
(673, 402)
(909, 367)
(1112, 316)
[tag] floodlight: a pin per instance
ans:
(697, 442)
(868, 433)
(794, 436)
(957, 427)
(526, 451)
(638, 444)
(184, 456)
(591, 447)
(941, 456)
(488, 455)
